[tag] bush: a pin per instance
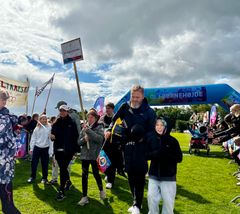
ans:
(181, 125)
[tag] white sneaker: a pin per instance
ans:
(102, 195)
(135, 210)
(109, 185)
(130, 209)
(83, 201)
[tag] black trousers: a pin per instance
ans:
(115, 155)
(136, 183)
(40, 153)
(85, 169)
(6, 195)
(111, 173)
(63, 160)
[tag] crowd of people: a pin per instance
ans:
(131, 137)
(228, 133)
(225, 131)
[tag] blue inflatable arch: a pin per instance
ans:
(222, 94)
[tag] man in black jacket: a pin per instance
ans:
(136, 112)
(164, 152)
(65, 135)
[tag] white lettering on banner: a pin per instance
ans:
(182, 95)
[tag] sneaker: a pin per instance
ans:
(83, 201)
(60, 195)
(68, 185)
(53, 181)
(135, 210)
(30, 180)
(238, 183)
(102, 195)
(106, 179)
(109, 185)
(130, 209)
(44, 181)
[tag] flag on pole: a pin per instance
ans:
(99, 105)
(103, 161)
(213, 115)
(40, 90)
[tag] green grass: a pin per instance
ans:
(205, 185)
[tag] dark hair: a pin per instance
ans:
(22, 119)
(35, 115)
(110, 105)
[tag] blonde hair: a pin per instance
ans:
(42, 115)
(137, 88)
(4, 95)
(235, 109)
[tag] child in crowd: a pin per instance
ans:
(92, 136)
(39, 148)
(164, 152)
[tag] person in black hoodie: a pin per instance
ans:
(113, 150)
(65, 135)
(136, 112)
(164, 152)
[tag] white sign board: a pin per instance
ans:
(72, 51)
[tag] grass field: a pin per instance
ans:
(204, 185)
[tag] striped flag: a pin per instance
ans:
(40, 90)
(99, 105)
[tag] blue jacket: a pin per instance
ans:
(8, 146)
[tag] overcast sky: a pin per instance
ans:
(157, 43)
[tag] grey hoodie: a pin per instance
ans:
(95, 137)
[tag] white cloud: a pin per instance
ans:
(157, 44)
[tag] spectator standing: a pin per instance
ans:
(8, 149)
